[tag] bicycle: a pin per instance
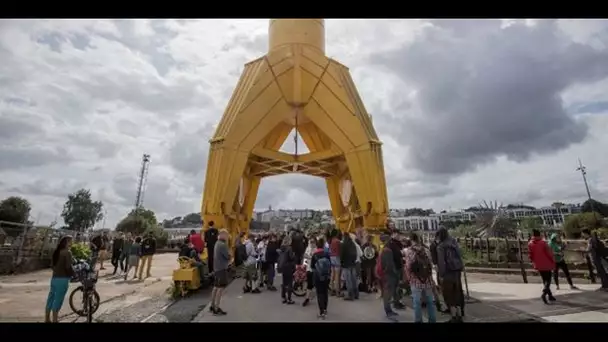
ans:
(87, 276)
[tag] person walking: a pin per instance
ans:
(387, 276)
(124, 255)
(148, 249)
(558, 246)
(450, 267)
(308, 253)
(348, 259)
(321, 268)
(117, 247)
(542, 259)
(368, 262)
(272, 256)
(134, 256)
(221, 259)
(598, 253)
(334, 254)
(419, 273)
(287, 267)
(397, 248)
(61, 262)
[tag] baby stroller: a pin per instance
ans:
(299, 280)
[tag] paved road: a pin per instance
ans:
(498, 298)
(22, 297)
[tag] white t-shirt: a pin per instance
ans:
(359, 253)
(308, 257)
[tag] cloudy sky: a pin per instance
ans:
(467, 109)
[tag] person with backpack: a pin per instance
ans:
(287, 267)
(598, 253)
(310, 250)
(387, 275)
(449, 267)
(419, 273)
(542, 259)
(320, 264)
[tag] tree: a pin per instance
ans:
(15, 209)
(530, 223)
(80, 212)
(146, 214)
(137, 222)
(193, 218)
(575, 223)
(590, 205)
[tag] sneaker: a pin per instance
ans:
(557, 287)
(572, 287)
(552, 299)
(256, 290)
(290, 302)
(219, 312)
(246, 289)
(284, 301)
(391, 314)
(272, 288)
(305, 302)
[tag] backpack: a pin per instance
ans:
(323, 268)
(421, 266)
(283, 259)
(453, 261)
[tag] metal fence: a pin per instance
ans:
(25, 248)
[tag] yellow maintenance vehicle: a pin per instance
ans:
(296, 87)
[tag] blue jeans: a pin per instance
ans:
(59, 288)
(417, 295)
(350, 277)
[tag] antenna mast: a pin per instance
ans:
(143, 177)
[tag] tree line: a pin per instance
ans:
(81, 213)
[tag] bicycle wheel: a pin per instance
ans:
(299, 288)
(82, 309)
(89, 305)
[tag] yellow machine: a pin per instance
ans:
(295, 86)
(187, 277)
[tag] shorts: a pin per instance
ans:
(451, 289)
(335, 261)
(309, 281)
(251, 271)
(103, 255)
(220, 279)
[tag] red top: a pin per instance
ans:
(198, 243)
(541, 255)
(334, 247)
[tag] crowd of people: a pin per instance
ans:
(333, 264)
(547, 258)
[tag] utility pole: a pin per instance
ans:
(583, 171)
(143, 175)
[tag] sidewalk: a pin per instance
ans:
(23, 296)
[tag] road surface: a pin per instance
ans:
(494, 298)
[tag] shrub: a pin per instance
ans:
(80, 251)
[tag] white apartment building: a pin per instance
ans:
(293, 214)
(551, 216)
(415, 223)
(455, 216)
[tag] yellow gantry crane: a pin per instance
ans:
(296, 86)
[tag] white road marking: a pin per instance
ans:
(156, 312)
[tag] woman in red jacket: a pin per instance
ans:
(543, 261)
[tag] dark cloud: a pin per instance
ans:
(22, 157)
(482, 91)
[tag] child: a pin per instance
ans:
(134, 254)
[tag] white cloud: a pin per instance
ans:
(82, 100)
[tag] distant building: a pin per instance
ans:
(293, 214)
(416, 223)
